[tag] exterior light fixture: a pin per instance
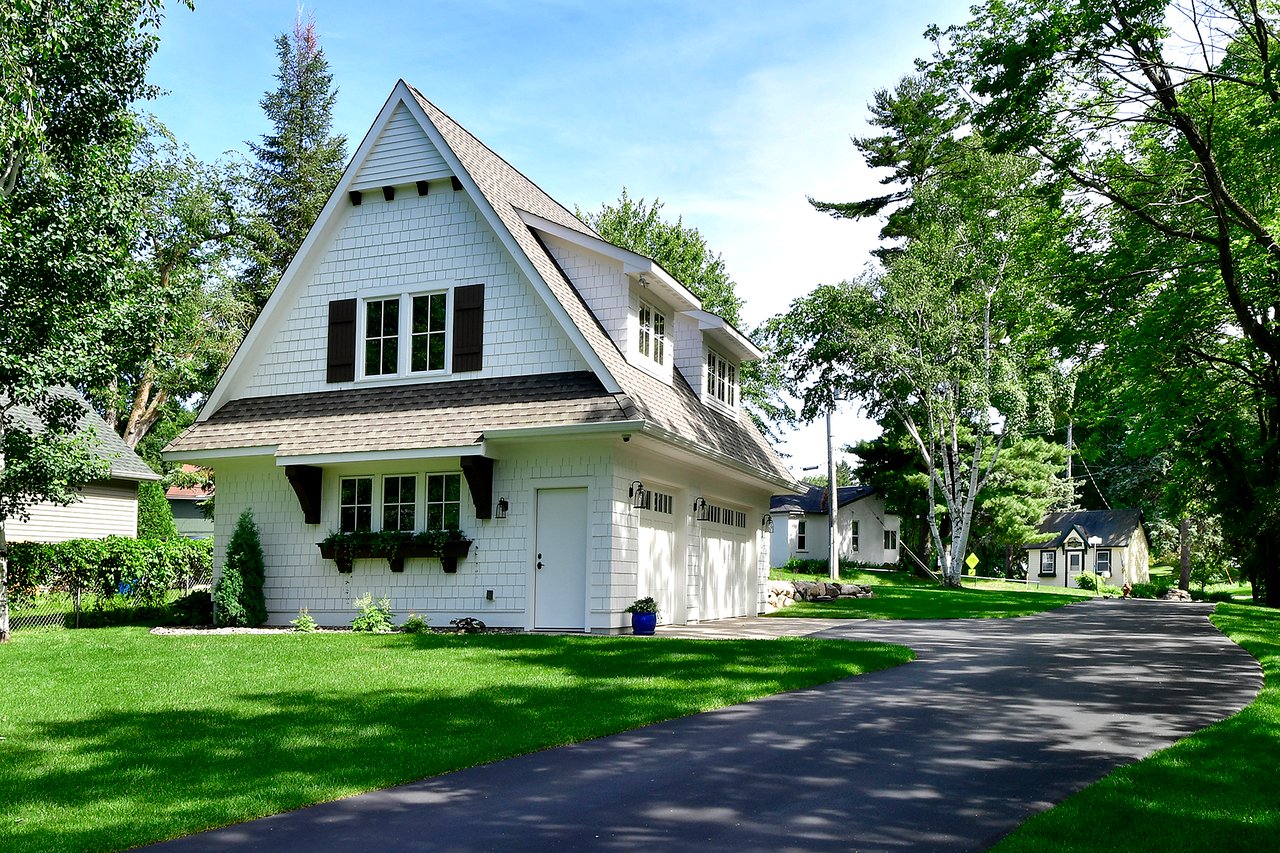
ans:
(766, 523)
(700, 509)
(637, 494)
(501, 511)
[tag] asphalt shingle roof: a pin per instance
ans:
(403, 417)
(1113, 526)
(812, 501)
(110, 447)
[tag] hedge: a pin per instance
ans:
(143, 569)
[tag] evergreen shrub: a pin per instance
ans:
(238, 598)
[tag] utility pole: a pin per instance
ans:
(833, 503)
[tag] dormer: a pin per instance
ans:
(637, 302)
(713, 361)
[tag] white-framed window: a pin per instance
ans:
(722, 379)
(660, 502)
(1102, 562)
(382, 337)
(653, 333)
(853, 536)
(400, 502)
(802, 536)
(355, 504)
(1048, 563)
(444, 501)
(406, 334)
(891, 540)
(428, 332)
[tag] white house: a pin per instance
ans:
(452, 348)
(865, 532)
(106, 507)
(1110, 543)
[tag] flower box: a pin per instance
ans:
(345, 548)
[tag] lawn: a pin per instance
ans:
(1215, 791)
(898, 595)
(113, 737)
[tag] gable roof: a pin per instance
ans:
(501, 193)
(109, 447)
(1114, 527)
(814, 499)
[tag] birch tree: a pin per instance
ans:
(947, 338)
(1165, 114)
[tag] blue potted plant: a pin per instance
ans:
(644, 616)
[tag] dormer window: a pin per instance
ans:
(653, 333)
(382, 337)
(722, 379)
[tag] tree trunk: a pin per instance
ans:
(1184, 540)
(4, 586)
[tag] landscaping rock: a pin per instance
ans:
(1175, 594)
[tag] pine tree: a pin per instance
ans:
(239, 598)
(299, 162)
(155, 516)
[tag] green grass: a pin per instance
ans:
(1215, 791)
(114, 737)
(899, 595)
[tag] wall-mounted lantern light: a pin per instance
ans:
(501, 510)
(637, 494)
(766, 522)
(700, 509)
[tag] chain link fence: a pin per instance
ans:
(66, 605)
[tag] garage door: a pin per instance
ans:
(729, 577)
(662, 567)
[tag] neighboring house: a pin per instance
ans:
(188, 515)
(1110, 543)
(865, 532)
(452, 348)
(107, 507)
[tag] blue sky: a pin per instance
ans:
(732, 113)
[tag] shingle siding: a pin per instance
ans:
(413, 242)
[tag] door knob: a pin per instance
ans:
(539, 564)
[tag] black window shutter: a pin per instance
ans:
(468, 328)
(342, 341)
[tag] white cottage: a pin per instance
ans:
(452, 348)
(864, 531)
(1111, 543)
(106, 507)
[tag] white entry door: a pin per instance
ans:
(560, 564)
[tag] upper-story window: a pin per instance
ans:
(722, 379)
(428, 333)
(653, 333)
(382, 337)
(420, 320)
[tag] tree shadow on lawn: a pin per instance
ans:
(903, 602)
(116, 778)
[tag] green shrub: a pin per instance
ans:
(155, 516)
(820, 567)
(374, 618)
(415, 624)
(305, 623)
(1219, 595)
(239, 598)
(1154, 589)
(1087, 580)
(143, 571)
(193, 609)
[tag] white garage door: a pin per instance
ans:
(662, 567)
(729, 577)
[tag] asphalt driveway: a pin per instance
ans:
(997, 719)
